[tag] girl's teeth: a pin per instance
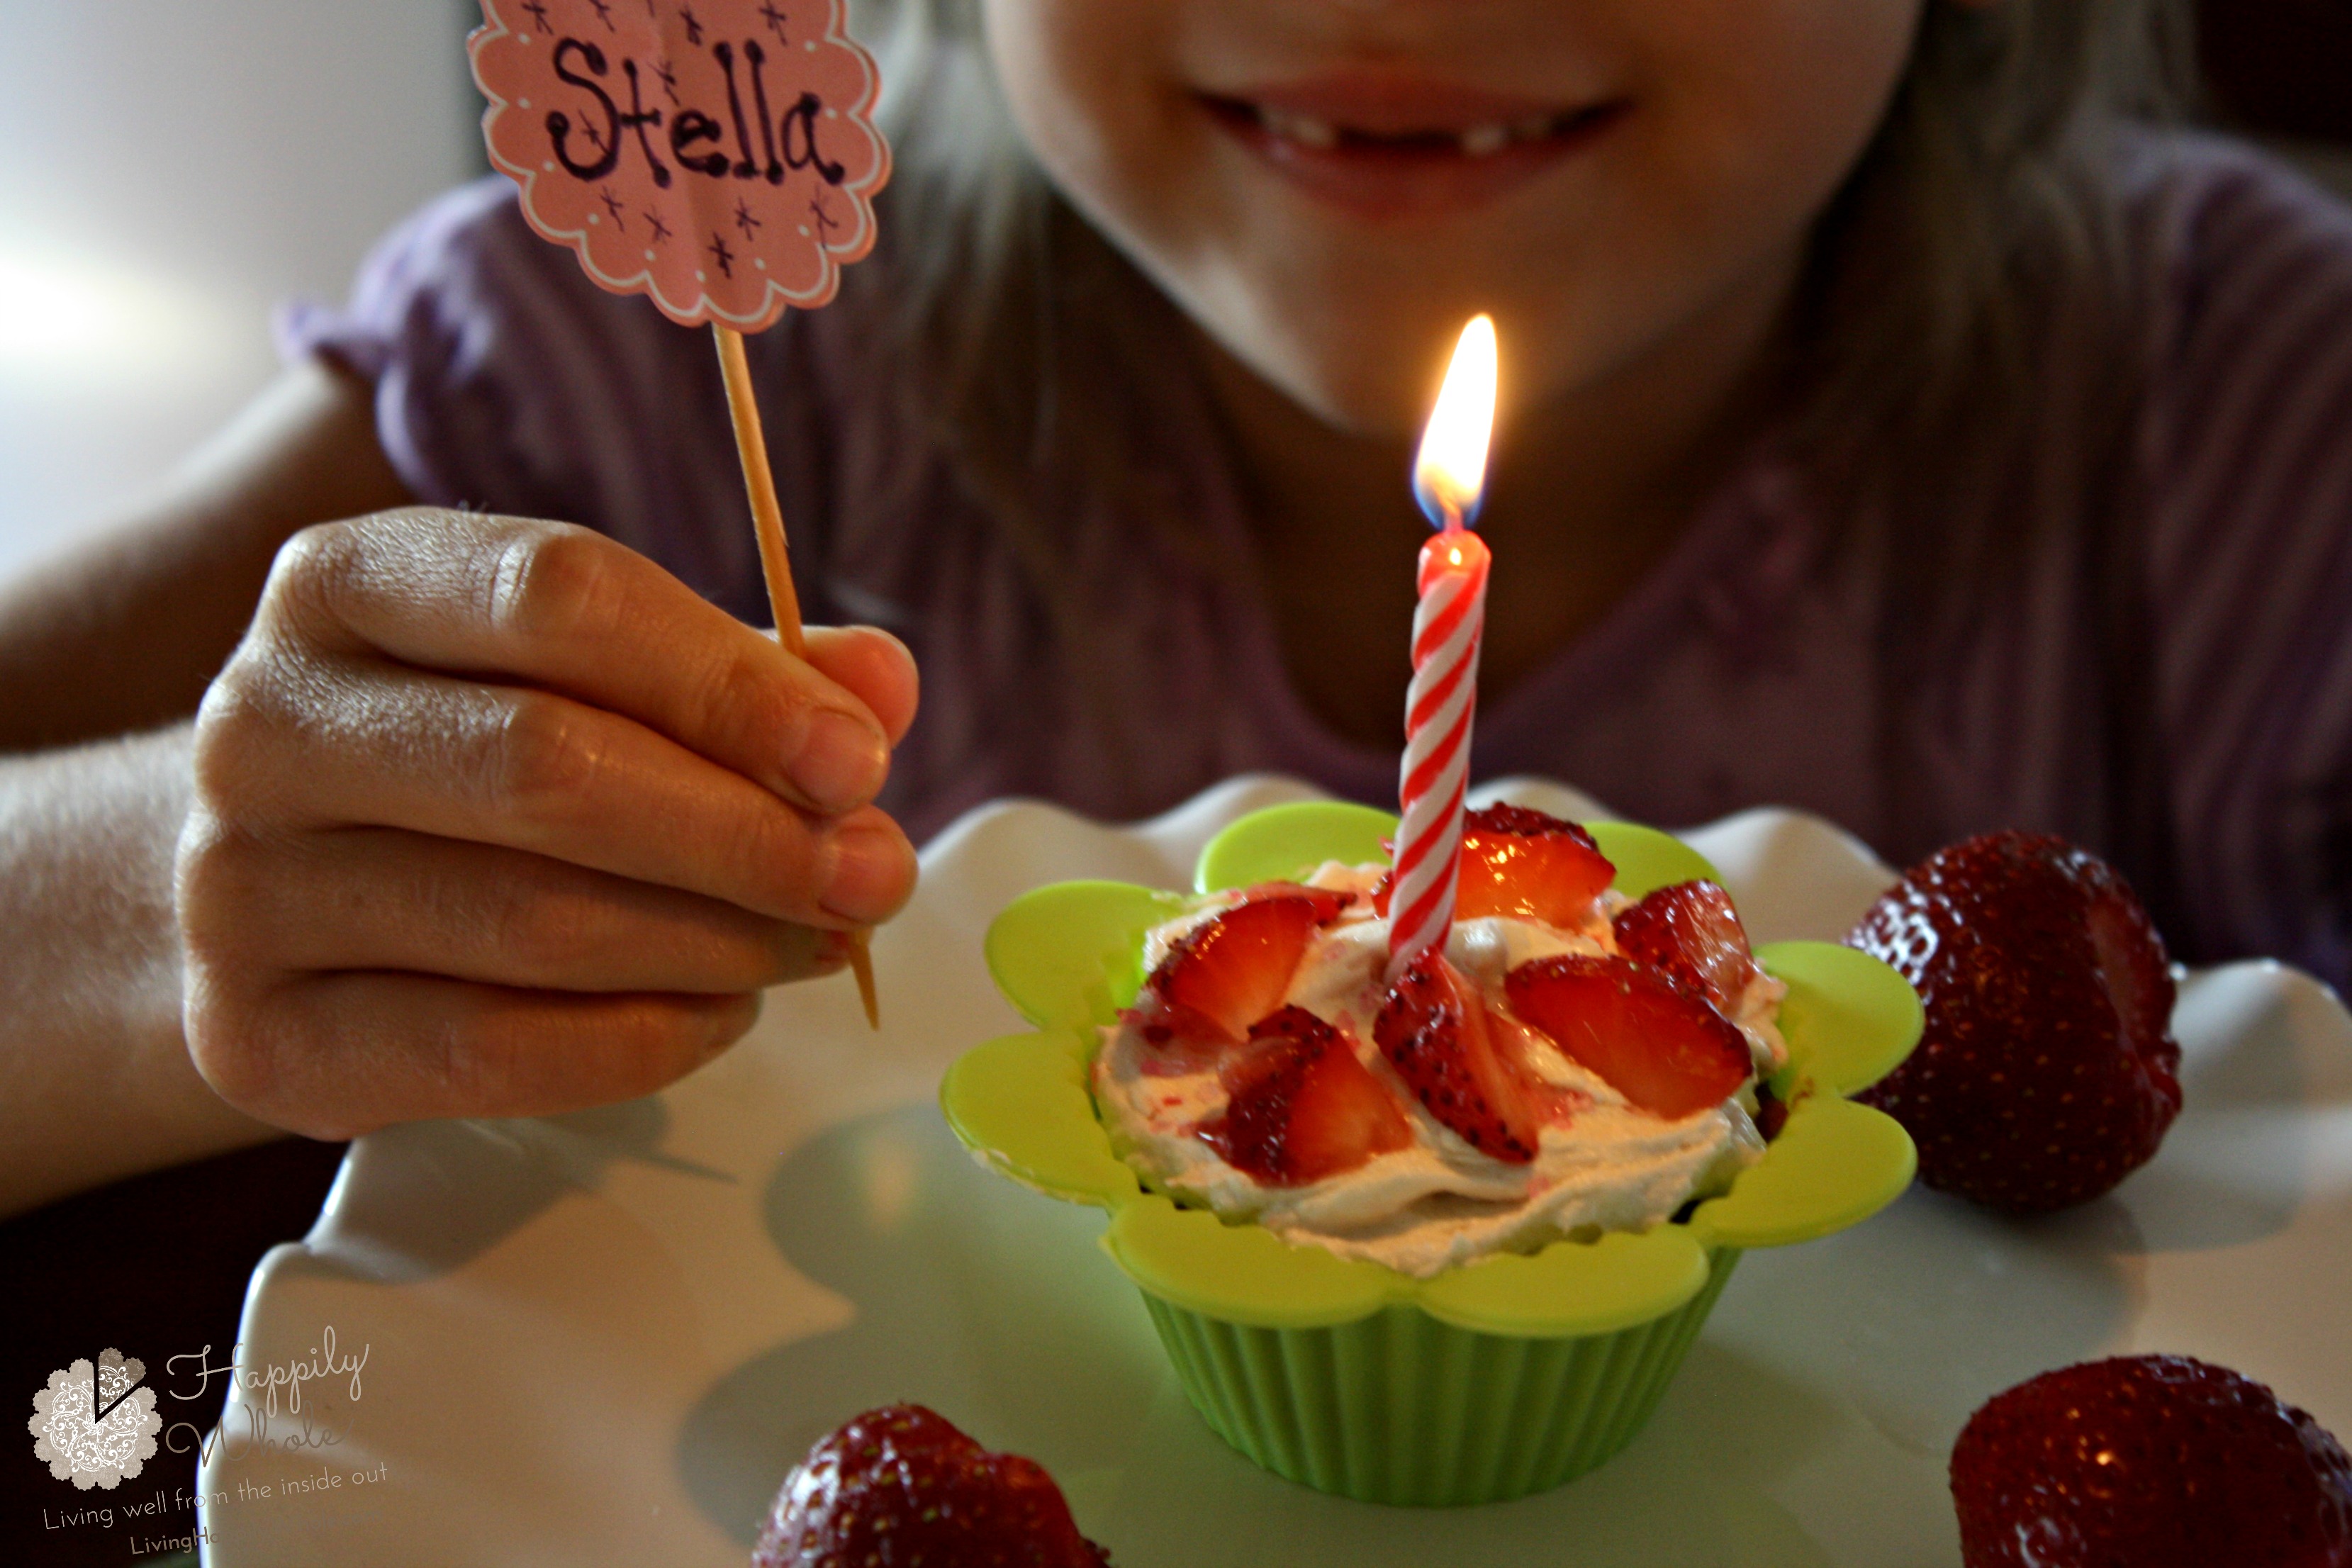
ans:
(1477, 142)
(1303, 129)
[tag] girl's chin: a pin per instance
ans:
(1352, 401)
(1363, 368)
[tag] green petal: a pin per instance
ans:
(1283, 843)
(1071, 954)
(1243, 1273)
(1647, 859)
(1021, 1104)
(1834, 1164)
(1849, 1019)
(1571, 1287)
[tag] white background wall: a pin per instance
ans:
(172, 170)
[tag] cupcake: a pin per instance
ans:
(1439, 1236)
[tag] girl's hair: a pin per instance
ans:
(1980, 244)
(1969, 285)
(1975, 326)
(1011, 317)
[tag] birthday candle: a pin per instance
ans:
(1448, 625)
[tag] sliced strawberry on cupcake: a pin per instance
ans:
(1691, 932)
(1664, 1046)
(1327, 901)
(1302, 1105)
(1434, 1030)
(900, 1485)
(1515, 861)
(1520, 862)
(1235, 967)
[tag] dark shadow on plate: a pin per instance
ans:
(418, 1201)
(976, 1296)
(1925, 1312)
(992, 1305)
(2237, 1166)
(2184, 1206)
(2255, 1067)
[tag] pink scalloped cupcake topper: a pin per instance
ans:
(717, 156)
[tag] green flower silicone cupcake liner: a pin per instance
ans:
(1507, 1375)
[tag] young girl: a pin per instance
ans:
(1898, 426)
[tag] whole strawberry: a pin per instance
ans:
(2047, 1072)
(2149, 1461)
(900, 1485)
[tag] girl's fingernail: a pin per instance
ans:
(842, 763)
(868, 879)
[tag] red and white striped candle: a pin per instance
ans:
(1448, 626)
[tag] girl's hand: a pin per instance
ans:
(496, 818)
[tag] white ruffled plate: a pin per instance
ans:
(602, 1338)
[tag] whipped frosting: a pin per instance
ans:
(1437, 1203)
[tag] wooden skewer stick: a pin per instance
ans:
(768, 521)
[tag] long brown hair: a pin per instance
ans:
(1984, 228)
(1973, 320)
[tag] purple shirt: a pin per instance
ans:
(1739, 672)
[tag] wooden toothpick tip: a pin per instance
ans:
(775, 564)
(861, 964)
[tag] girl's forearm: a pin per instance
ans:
(95, 1080)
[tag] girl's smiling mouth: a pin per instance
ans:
(1382, 145)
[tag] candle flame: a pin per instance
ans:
(1450, 474)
